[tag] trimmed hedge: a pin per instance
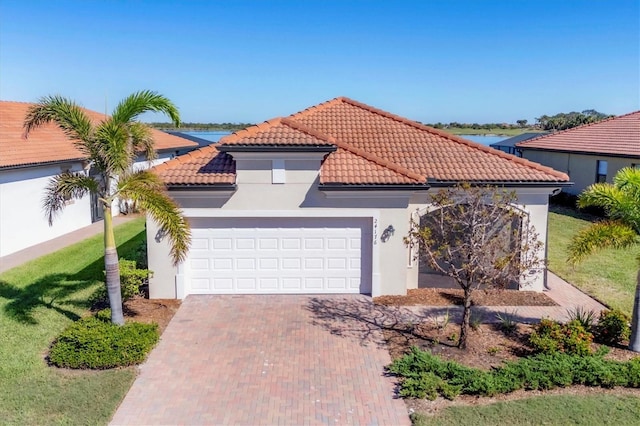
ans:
(425, 375)
(96, 343)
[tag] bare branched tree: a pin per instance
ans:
(478, 237)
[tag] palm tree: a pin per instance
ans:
(112, 147)
(621, 202)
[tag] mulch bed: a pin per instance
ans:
(148, 311)
(448, 297)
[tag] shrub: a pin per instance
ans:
(612, 327)
(508, 323)
(96, 343)
(131, 278)
(550, 336)
(425, 375)
(584, 316)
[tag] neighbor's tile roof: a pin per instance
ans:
(618, 136)
(48, 143)
(371, 147)
(205, 166)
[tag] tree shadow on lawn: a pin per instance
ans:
(57, 291)
(359, 318)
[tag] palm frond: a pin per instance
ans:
(599, 236)
(72, 119)
(602, 195)
(62, 188)
(147, 191)
(114, 149)
(142, 140)
(140, 102)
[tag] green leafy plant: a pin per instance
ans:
(96, 343)
(493, 350)
(508, 323)
(613, 327)
(586, 317)
(475, 321)
(131, 278)
(550, 336)
(425, 375)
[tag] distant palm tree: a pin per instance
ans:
(112, 147)
(621, 202)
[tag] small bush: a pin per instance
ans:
(613, 327)
(425, 375)
(508, 323)
(550, 336)
(584, 316)
(131, 278)
(96, 343)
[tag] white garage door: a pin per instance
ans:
(279, 256)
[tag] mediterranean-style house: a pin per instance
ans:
(319, 202)
(26, 165)
(590, 153)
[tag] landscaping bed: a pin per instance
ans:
(488, 347)
(159, 311)
(447, 297)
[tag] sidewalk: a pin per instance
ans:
(33, 252)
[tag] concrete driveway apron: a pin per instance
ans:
(266, 359)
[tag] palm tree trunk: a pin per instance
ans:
(634, 341)
(112, 268)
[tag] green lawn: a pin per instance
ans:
(37, 301)
(609, 276)
(544, 410)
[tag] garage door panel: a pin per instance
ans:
(279, 256)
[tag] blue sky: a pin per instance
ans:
(248, 61)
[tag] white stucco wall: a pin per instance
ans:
(256, 196)
(533, 201)
(22, 220)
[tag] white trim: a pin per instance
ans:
(209, 212)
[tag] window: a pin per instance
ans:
(601, 173)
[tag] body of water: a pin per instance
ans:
(206, 137)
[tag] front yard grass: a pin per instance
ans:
(609, 275)
(543, 410)
(37, 301)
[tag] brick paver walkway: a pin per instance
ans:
(250, 360)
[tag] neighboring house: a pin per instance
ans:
(509, 145)
(590, 153)
(319, 202)
(26, 165)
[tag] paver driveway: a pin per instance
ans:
(266, 360)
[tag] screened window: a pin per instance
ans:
(601, 174)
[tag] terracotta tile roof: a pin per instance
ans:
(48, 143)
(277, 132)
(204, 166)
(372, 147)
(618, 136)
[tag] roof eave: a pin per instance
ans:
(571, 151)
(373, 187)
(43, 163)
(507, 184)
(202, 187)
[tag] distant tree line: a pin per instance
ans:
(560, 121)
(202, 126)
(563, 121)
